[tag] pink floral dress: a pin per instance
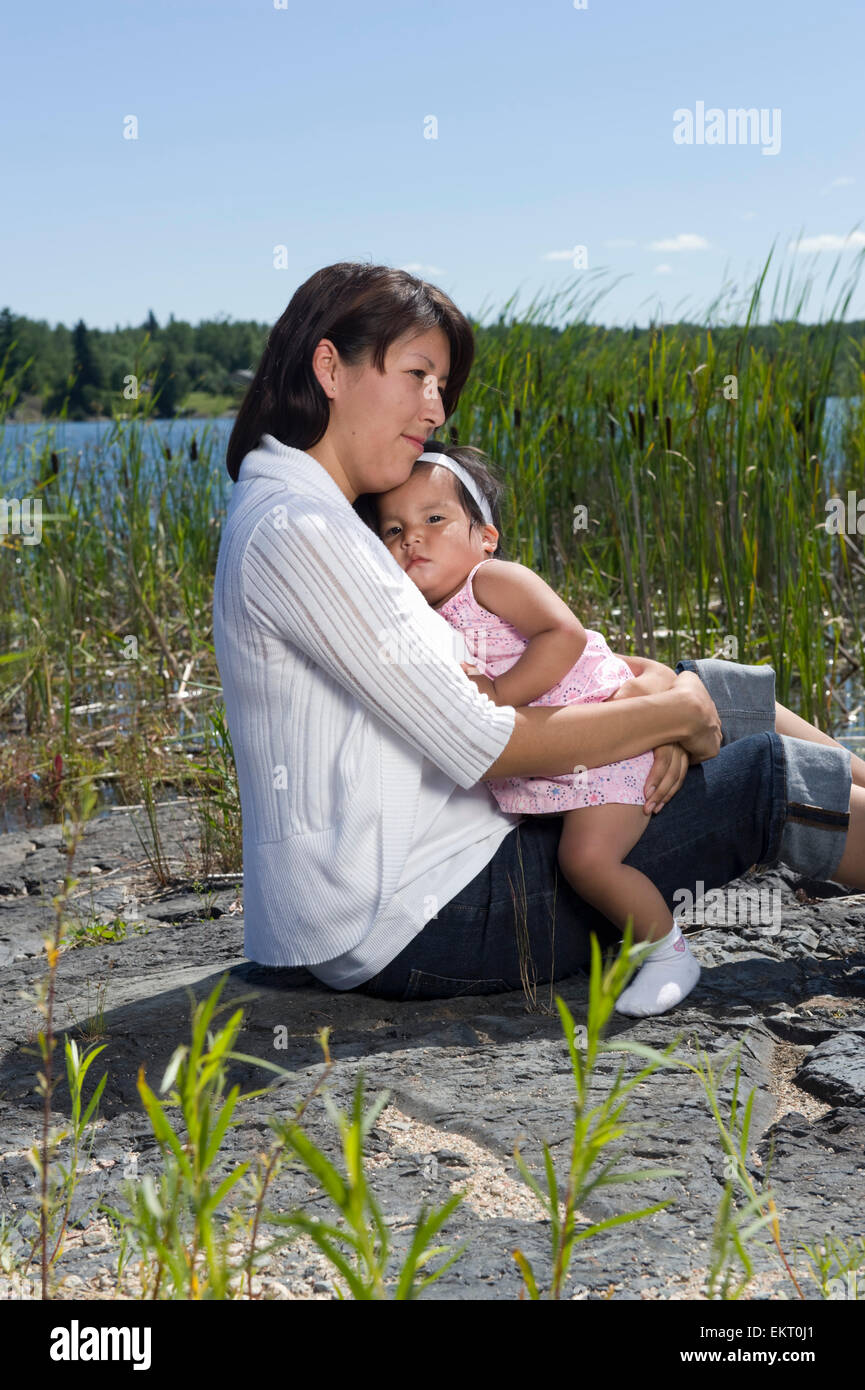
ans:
(495, 645)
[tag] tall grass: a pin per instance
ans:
(701, 462)
(700, 458)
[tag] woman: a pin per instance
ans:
(373, 853)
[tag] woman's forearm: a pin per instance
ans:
(552, 740)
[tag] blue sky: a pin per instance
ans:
(303, 127)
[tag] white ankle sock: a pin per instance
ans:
(669, 973)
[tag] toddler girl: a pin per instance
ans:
(523, 637)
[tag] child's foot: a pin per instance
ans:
(669, 974)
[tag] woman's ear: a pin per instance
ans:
(325, 360)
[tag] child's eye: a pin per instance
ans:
(435, 516)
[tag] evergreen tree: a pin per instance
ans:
(88, 374)
(169, 384)
(7, 335)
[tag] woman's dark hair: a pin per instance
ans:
(477, 464)
(362, 309)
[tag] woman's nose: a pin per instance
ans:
(435, 411)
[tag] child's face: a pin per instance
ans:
(424, 527)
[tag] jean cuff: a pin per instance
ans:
(744, 696)
(817, 816)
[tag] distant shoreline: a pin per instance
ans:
(28, 417)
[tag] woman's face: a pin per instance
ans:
(424, 527)
(379, 421)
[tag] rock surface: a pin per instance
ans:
(467, 1078)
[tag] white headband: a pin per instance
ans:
(464, 477)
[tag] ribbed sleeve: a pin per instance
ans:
(316, 576)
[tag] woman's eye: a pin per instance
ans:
(419, 371)
(435, 517)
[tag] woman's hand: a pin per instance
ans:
(704, 741)
(666, 777)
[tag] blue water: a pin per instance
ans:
(19, 443)
(836, 408)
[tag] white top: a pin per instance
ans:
(358, 739)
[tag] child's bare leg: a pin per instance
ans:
(786, 722)
(593, 843)
(851, 869)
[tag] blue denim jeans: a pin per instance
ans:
(766, 798)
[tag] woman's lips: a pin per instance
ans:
(418, 443)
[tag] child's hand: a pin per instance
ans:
(666, 777)
(484, 684)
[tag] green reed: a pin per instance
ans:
(700, 459)
(699, 456)
(119, 593)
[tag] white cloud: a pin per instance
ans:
(559, 255)
(663, 270)
(417, 268)
(685, 241)
(829, 241)
(748, 216)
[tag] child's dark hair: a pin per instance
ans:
(477, 464)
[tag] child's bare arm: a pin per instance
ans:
(556, 636)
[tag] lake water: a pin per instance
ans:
(72, 437)
(18, 442)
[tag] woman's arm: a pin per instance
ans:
(323, 581)
(553, 740)
(556, 637)
(668, 769)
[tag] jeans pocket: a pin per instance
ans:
(424, 985)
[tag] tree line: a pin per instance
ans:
(89, 372)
